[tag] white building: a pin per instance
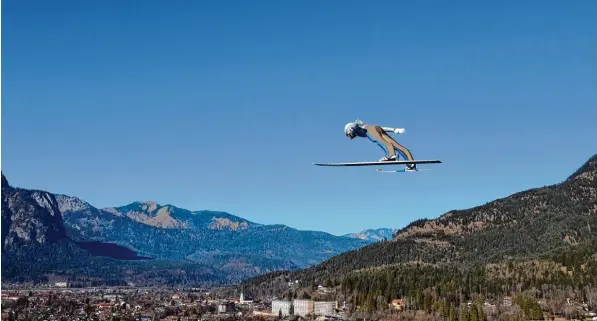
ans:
(60, 284)
(279, 305)
(111, 297)
(323, 289)
(324, 308)
(227, 307)
(243, 301)
(303, 307)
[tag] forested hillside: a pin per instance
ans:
(542, 239)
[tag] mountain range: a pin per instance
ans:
(553, 226)
(226, 245)
(47, 235)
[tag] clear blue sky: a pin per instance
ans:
(226, 104)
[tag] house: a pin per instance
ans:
(323, 289)
(264, 314)
(104, 305)
(293, 283)
(226, 307)
(111, 297)
(11, 298)
(397, 304)
(507, 301)
(243, 300)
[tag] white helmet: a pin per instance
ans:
(349, 128)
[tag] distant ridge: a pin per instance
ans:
(373, 235)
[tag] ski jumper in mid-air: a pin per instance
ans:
(378, 135)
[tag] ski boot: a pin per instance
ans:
(388, 159)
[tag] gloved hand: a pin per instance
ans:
(399, 130)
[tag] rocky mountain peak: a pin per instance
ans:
(587, 171)
(149, 206)
(69, 204)
(4, 181)
(373, 235)
(29, 217)
(150, 213)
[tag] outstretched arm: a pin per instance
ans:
(393, 130)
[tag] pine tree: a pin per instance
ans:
(452, 312)
(534, 310)
(441, 307)
(480, 312)
(418, 299)
(463, 313)
(427, 303)
(473, 314)
(369, 303)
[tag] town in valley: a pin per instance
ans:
(60, 302)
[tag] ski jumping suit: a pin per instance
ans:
(378, 135)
